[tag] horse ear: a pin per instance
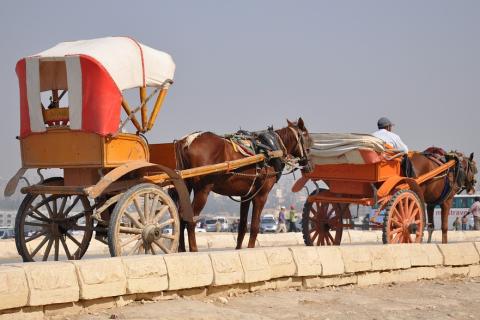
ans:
(471, 156)
(301, 124)
(290, 123)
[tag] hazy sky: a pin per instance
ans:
(338, 64)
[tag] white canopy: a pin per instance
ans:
(129, 63)
(354, 148)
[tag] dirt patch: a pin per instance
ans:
(436, 299)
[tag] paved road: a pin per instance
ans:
(435, 299)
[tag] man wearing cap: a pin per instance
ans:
(385, 133)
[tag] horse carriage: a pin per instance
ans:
(110, 182)
(360, 169)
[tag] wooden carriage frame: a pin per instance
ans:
(398, 200)
(105, 174)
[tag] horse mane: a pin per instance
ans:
(287, 137)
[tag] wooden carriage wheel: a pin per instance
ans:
(404, 218)
(145, 220)
(322, 223)
(53, 227)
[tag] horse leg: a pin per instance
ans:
(445, 211)
(181, 242)
(242, 226)
(258, 204)
(199, 200)
(431, 224)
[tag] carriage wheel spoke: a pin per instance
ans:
(41, 217)
(146, 211)
(153, 208)
(396, 237)
(395, 222)
(62, 205)
(137, 223)
(396, 230)
(165, 223)
(35, 224)
(129, 230)
(47, 205)
(159, 215)
(397, 213)
(401, 209)
(411, 206)
(315, 235)
(135, 248)
(332, 241)
(327, 239)
(73, 239)
(167, 236)
(34, 252)
(74, 203)
(36, 235)
(57, 249)
(152, 248)
(161, 246)
(47, 249)
(139, 210)
(134, 238)
(65, 248)
(407, 238)
(415, 212)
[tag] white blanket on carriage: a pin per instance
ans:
(354, 148)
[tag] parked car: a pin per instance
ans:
(268, 224)
(211, 224)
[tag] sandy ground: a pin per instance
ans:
(435, 299)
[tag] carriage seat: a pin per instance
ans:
(351, 148)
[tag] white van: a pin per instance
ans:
(211, 224)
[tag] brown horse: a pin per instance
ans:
(442, 189)
(251, 183)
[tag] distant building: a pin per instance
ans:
(7, 218)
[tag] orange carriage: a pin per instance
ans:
(110, 183)
(360, 169)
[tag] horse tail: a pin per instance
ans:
(181, 157)
(182, 163)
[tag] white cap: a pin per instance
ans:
(282, 207)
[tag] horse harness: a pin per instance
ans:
(440, 157)
(251, 143)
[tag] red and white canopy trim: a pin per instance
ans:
(94, 72)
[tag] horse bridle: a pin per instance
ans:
(469, 168)
(462, 174)
(298, 133)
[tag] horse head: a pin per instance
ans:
(302, 142)
(466, 178)
(470, 173)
